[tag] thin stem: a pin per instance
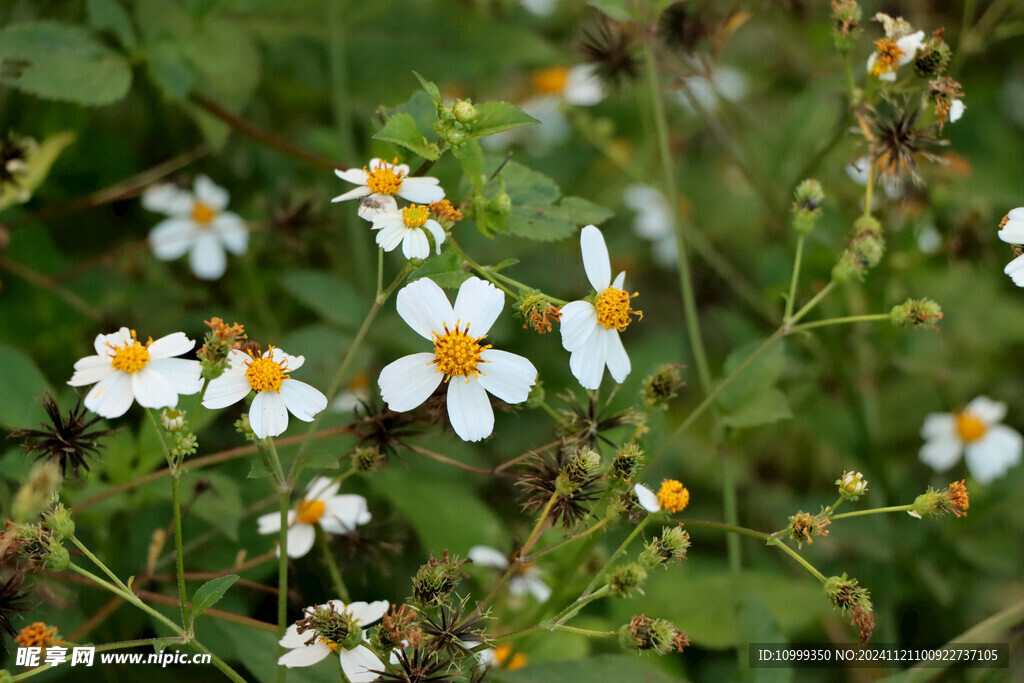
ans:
(179, 553)
(566, 541)
(96, 561)
(873, 511)
(332, 569)
(127, 596)
(796, 556)
(728, 528)
(577, 605)
(815, 300)
(871, 317)
(796, 276)
(618, 551)
(868, 188)
(538, 528)
(584, 631)
(222, 666)
(433, 455)
(731, 514)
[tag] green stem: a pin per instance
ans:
(96, 561)
(868, 187)
(584, 631)
(618, 551)
(538, 528)
(127, 596)
(222, 666)
(874, 511)
(564, 542)
(732, 542)
(179, 553)
(871, 317)
(796, 276)
(815, 300)
(728, 528)
(796, 556)
(332, 569)
(574, 609)
(668, 176)
(284, 505)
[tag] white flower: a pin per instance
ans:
(198, 224)
(383, 178)
(277, 394)
(357, 661)
(653, 221)
(590, 331)
(1011, 230)
(991, 448)
(321, 505)
(125, 370)
(356, 394)
(892, 54)
(525, 580)
(647, 498)
(404, 226)
(956, 110)
(471, 368)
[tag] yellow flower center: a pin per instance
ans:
(887, 56)
(38, 635)
(551, 81)
(415, 216)
(613, 309)
(456, 354)
(330, 643)
(203, 213)
(673, 496)
(131, 357)
(969, 428)
(384, 179)
(310, 511)
(264, 374)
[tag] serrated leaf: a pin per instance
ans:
(579, 211)
(445, 270)
(401, 129)
(526, 187)
(109, 15)
(335, 300)
(61, 62)
(765, 406)
(471, 158)
(170, 71)
(38, 167)
(430, 88)
(23, 383)
(207, 595)
(496, 117)
(539, 223)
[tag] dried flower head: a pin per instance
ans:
(680, 27)
(671, 545)
(645, 634)
(451, 632)
(662, 386)
(38, 634)
(627, 463)
(65, 441)
(895, 140)
(436, 580)
(538, 312)
(804, 526)
(851, 599)
(541, 481)
(846, 29)
(946, 93)
(398, 628)
(420, 666)
(609, 47)
(12, 601)
(934, 55)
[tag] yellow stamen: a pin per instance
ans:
(38, 635)
(613, 309)
(673, 496)
(310, 511)
(887, 56)
(264, 374)
(415, 216)
(385, 179)
(969, 428)
(203, 213)
(502, 652)
(518, 661)
(551, 81)
(958, 497)
(131, 357)
(456, 354)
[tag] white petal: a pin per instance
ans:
(270, 523)
(300, 540)
(987, 410)
(171, 238)
(112, 397)
(616, 357)
(478, 305)
(293, 362)
(421, 190)
(322, 488)
(368, 613)
(375, 205)
(540, 590)
(153, 390)
(352, 194)
(268, 415)
(991, 456)
(595, 258)
(356, 176)
(437, 232)
(620, 280)
(359, 665)
(307, 655)
(90, 370)
(1015, 269)
(587, 362)
(577, 324)
(647, 498)
(910, 45)
(486, 556)
(939, 426)
(940, 454)
(506, 375)
(390, 236)
(343, 514)
(228, 389)
(209, 193)
(415, 244)
(858, 170)
(956, 111)
(171, 345)
(292, 638)
(1016, 214)
(302, 400)
(408, 381)
(583, 86)
(1012, 232)
(167, 198)
(185, 376)
(469, 410)
(207, 258)
(423, 305)
(103, 342)
(231, 231)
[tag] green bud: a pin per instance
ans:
(807, 201)
(58, 521)
(455, 137)
(464, 111)
(627, 579)
(671, 545)
(658, 635)
(627, 463)
(436, 580)
(852, 485)
(501, 203)
(915, 312)
(662, 386)
(57, 558)
(367, 459)
(34, 496)
(846, 29)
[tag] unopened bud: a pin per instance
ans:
(662, 386)
(852, 485)
(367, 459)
(915, 312)
(172, 419)
(627, 579)
(464, 111)
(807, 201)
(58, 521)
(57, 558)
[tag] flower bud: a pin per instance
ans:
(455, 137)
(644, 634)
(914, 312)
(662, 386)
(932, 502)
(172, 419)
(464, 111)
(671, 545)
(436, 580)
(804, 527)
(501, 203)
(57, 558)
(35, 494)
(852, 485)
(627, 463)
(864, 251)
(846, 15)
(627, 579)
(366, 459)
(58, 521)
(807, 202)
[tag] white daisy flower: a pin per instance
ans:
(472, 369)
(590, 331)
(890, 54)
(526, 579)
(125, 370)
(198, 224)
(335, 627)
(989, 448)
(320, 506)
(383, 178)
(406, 227)
(277, 393)
(1011, 230)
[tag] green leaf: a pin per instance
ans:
(60, 62)
(23, 383)
(763, 406)
(335, 300)
(579, 211)
(221, 505)
(759, 374)
(170, 71)
(445, 270)
(527, 187)
(756, 625)
(401, 129)
(471, 158)
(38, 167)
(599, 669)
(430, 88)
(496, 117)
(109, 15)
(539, 223)
(207, 595)
(615, 9)
(535, 213)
